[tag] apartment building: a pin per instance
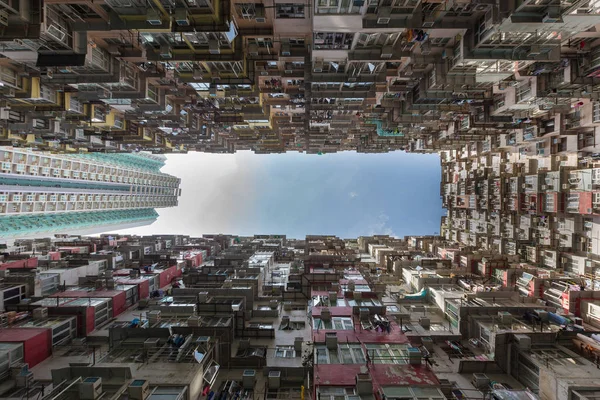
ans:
(48, 192)
(274, 76)
(456, 326)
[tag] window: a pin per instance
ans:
(259, 325)
(333, 41)
(3, 198)
(290, 10)
(586, 394)
(387, 353)
(337, 323)
(346, 353)
(337, 7)
(337, 393)
(285, 352)
(596, 112)
(261, 42)
(439, 41)
(292, 325)
(246, 10)
(405, 392)
(377, 39)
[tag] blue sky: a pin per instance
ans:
(345, 194)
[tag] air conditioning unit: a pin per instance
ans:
(138, 389)
(203, 341)
(289, 71)
(325, 314)
(384, 15)
(535, 50)
(165, 51)
(153, 17)
(504, 317)
(213, 47)
(248, 378)
(331, 340)
(285, 50)
(565, 186)
(523, 342)
(181, 17)
(318, 66)
(152, 343)
(274, 379)
(40, 313)
(553, 17)
(363, 313)
(113, 50)
(544, 187)
(387, 52)
(428, 24)
(259, 13)
(253, 49)
(90, 388)
(4, 17)
(480, 381)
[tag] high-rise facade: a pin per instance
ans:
(270, 76)
(43, 192)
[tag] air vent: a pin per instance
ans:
(181, 17)
(387, 52)
(213, 47)
(384, 15)
(259, 14)
(153, 17)
(165, 51)
(253, 49)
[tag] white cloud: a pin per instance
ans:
(353, 195)
(380, 226)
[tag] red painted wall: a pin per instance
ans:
(144, 289)
(37, 342)
(166, 276)
(89, 320)
(25, 263)
(118, 303)
(585, 202)
(38, 348)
